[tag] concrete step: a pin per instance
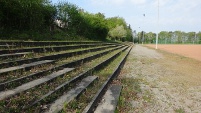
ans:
(24, 87)
(7, 45)
(70, 95)
(110, 100)
(24, 66)
(14, 54)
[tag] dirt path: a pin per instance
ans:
(168, 82)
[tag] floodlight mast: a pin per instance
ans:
(143, 31)
(157, 28)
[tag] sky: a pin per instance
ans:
(142, 15)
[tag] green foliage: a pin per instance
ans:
(199, 37)
(68, 13)
(78, 22)
(176, 37)
(150, 37)
(118, 32)
(21, 15)
(35, 20)
(179, 36)
(163, 34)
(114, 21)
(94, 26)
(118, 29)
(180, 110)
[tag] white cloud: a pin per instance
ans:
(138, 2)
(97, 2)
(118, 2)
(107, 2)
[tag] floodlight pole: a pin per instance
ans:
(157, 28)
(142, 30)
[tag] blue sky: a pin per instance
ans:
(183, 15)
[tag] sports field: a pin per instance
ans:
(192, 51)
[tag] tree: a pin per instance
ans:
(118, 24)
(35, 18)
(118, 32)
(22, 15)
(164, 37)
(78, 22)
(95, 25)
(191, 37)
(150, 37)
(129, 34)
(178, 34)
(69, 15)
(199, 37)
(114, 21)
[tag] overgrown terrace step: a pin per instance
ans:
(50, 48)
(14, 54)
(24, 66)
(4, 85)
(55, 56)
(70, 95)
(110, 100)
(90, 107)
(24, 87)
(61, 88)
(46, 43)
(7, 45)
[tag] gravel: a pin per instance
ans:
(169, 82)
